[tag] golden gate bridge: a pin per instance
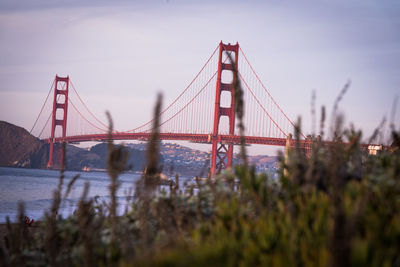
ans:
(203, 112)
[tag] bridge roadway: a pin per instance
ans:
(198, 138)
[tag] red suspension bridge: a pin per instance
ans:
(203, 112)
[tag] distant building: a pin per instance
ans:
(374, 150)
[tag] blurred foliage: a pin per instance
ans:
(332, 205)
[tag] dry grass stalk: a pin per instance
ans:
(152, 166)
(116, 164)
(149, 181)
(239, 108)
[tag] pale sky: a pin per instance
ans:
(119, 54)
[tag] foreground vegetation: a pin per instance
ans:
(335, 205)
(332, 205)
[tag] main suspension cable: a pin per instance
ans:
(273, 100)
(41, 110)
(180, 95)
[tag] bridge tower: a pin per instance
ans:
(222, 153)
(60, 101)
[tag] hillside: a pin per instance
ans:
(21, 149)
(18, 148)
(193, 162)
(96, 157)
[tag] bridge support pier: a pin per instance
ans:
(221, 153)
(60, 102)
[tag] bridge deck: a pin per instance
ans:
(199, 138)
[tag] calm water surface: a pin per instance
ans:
(35, 188)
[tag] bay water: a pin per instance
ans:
(35, 188)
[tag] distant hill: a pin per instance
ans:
(136, 160)
(192, 162)
(21, 149)
(18, 148)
